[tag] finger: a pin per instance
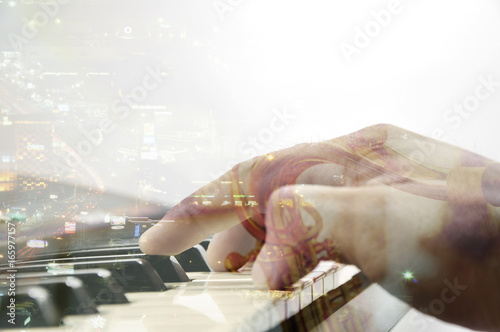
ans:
(214, 208)
(231, 249)
(294, 244)
(194, 219)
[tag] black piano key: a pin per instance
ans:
(32, 306)
(205, 244)
(101, 286)
(193, 259)
(168, 268)
(135, 275)
(69, 294)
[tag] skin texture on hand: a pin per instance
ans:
(394, 203)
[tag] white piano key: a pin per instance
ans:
(281, 312)
(344, 274)
(304, 288)
(318, 288)
(293, 305)
(329, 282)
(329, 268)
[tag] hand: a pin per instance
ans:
(416, 215)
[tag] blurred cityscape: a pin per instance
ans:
(87, 133)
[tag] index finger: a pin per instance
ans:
(189, 222)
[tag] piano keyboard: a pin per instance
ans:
(333, 297)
